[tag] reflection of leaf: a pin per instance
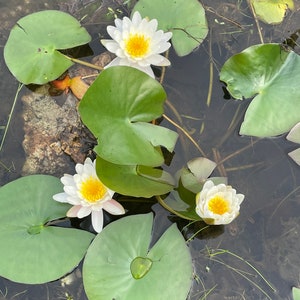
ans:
(272, 75)
(107, 265)
(132, 180)
(30, 251)
(271, 11)
(185, 19)
(116, 108)
(31, 52)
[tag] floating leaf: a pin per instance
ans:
(31, 52)
(296, 293)
(119, 264)
(31, 250)
(181, 202)
(295, 155)
(271, 75)
(137, 181)
(271, 11)
(185, 19)
(116, 108)
(294, 134)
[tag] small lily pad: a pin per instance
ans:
(270, 75)
(185, 19)
(32, 49)
(271, 11)
(162, 272)
(32, 251)
(296, 293)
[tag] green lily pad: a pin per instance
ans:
(270, 75)
(31, 52)
(117, 107)
(122, 251)
(185, 19)
(132, 180)
(271, 11)
(296, 293)
(32, 251)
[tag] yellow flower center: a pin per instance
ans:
(218, 205)
(92, 189)
(137, 45)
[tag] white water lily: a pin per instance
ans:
(137, 43)
(218, 204)
(88, 195)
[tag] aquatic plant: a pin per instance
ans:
(121, 109)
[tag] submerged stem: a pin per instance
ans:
(10, 114)
(256, 22)
(186, 134)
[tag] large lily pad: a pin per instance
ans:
(185, 19)
(119, 264)
(31, 251)
(31, 52)
(271, 11)
(270, 75)
(117, 107)
(133, 180)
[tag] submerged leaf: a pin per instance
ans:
(270, 75)
(119, 264)
(32, 49)
(32, 251)
(75, 84)
(117, 107)
(185, 19)
(271, 11)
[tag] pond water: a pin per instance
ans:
(256, 256)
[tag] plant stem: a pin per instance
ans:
(84, 63)
(10, 115)
(186, 133)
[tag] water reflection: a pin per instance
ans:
(231, 262)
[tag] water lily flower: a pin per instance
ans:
(88, 195)
(137, 43)
(218, 204)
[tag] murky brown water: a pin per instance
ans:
(266, 234)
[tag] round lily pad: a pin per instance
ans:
(31, 52)
(185, 19)
(120, 265)
(32, 251)
(117, 108)
(269, 74)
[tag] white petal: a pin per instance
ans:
(84, 211)
(67, 179)
(61, 197)
(79, 168)
(73, 211)
(158, 60)
(97, 220)
(114, 207)
(136, 19)
(114, 62)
